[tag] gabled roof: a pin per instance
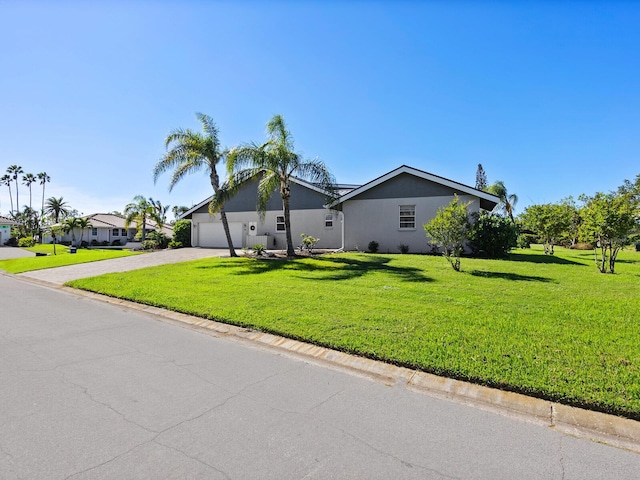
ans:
(487, 201)
(7, 221)
(300, 182)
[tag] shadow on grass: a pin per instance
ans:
(332, 268)
(510, 276)
(550, 259)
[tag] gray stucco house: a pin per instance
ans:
(5, 229)
(390, 210)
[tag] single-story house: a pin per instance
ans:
(109, 228)
(5, 229)
(389, 210)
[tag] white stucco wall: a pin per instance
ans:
(310, 222)
(378, 219)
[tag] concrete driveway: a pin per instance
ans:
(7, 253)
(61, 275)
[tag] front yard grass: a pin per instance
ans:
(547, 326)
(60, 259)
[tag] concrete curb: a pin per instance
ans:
(596, 426)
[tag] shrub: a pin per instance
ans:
(149, 245)
(258, 249)
(525, 240)
(174, 244)
(308, 242)
(638, 247)
(159, 238)
(94, 243)
(26, 242)
(67, 243)
(373, 246)
(404, 249)
(105, 243)
(84, 244)
(182, 232)
(492, 235)
(12, 242)
(116, 243)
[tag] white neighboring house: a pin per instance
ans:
(108, 229)
(390, 210)
(5, 229)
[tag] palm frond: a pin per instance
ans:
(269, 183)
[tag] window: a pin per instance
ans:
(124, 233)
(407, 216)
(94, 232)
(116, 232)
(328, 220)
(280, 223)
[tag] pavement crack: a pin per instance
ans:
(181, 452)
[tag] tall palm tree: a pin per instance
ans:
(139, 211)
(27, 180)
(6, 180)
(56, 207)
(44, 178)
(161, 211)
(189, 152)
(179, 210)
(507, 201)
(70, 225)
(15, 171)
(274, 163)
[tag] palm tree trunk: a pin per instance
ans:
(10, 196)
(287, 226)
(215, 184)
(42, 207)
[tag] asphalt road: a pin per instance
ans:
(95, 391)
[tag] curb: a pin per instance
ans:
(600, 427)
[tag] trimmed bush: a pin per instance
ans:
(26, 242)
(492, 236)
(149, 245)
(116, 243)
(182, 232)
(174, 244)
(373, 246)
(404, 249)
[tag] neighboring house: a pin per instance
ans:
(390, 210)
(5, 229)
(110, 228)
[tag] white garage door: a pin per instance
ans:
(212, 235)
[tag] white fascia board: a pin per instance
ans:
(194, 208)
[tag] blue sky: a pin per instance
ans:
(546, 95)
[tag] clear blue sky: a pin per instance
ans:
(546, 95)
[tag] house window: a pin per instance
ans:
(280, 223)
(123, 233)
(328, 220)
(408, 217)
(94, 232)
(116, 232)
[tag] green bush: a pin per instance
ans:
(525, 240)
(94, 243)
(159, 238)
(174, 244)
(258, 249)
(116, 243)
(182, 232)
(373, 246)
(149, 245)
(26, 242)
(404, 249)
(492, 236)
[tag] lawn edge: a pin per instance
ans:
(617, 431)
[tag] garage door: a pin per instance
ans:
(212, 235)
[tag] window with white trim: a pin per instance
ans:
(94, 232)
(407, 217)
(116, 232)
(124, 232)
(280, 223)
(328, 220)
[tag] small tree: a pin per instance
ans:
(449, 229)
(550, 222)
(492, 235)
(608, 220)
(481, 178)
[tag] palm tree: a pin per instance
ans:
(139, 211)
(161, 211)
(56, 207)
(15, 171)
(83, 223)
(69, 225)
(6, 180)
(27, 180)
(189, 152)
(44, 178)
(274, 163)
(507, 201)
(179, 210)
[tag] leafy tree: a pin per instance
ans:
(492, 235)
(56, 207)
(44, 179)
(609, 220)
(182, 232)
(28, 179)
(189, 152)
(549, 222)
(15, 171)
(449, 229)
(273, 163)
(6, 180)
(507, 201)
(139, 211)
(28, 223)
(481, 178)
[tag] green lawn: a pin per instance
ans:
(551, 327)
(62, 258)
